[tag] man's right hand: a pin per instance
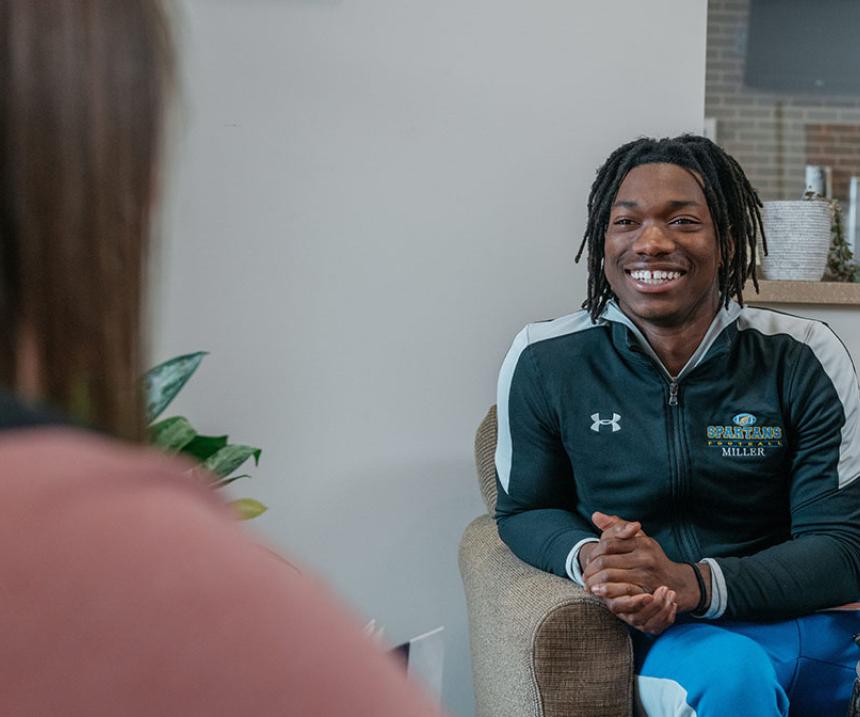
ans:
(648, 612)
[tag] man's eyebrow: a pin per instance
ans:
(679, 203)
(673, 203)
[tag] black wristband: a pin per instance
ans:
(702, 607)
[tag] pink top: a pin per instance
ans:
(127, 589)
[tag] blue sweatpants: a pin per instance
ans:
(802, 668)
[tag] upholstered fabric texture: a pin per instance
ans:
(540, 644)
(485, 458)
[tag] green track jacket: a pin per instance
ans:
(748, 458)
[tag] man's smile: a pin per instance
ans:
(651, 280)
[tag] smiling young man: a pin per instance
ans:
(727, 437)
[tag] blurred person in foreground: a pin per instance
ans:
(691, 461)
(127, 588)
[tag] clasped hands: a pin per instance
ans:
(629, 571)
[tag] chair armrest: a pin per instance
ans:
(540, 644)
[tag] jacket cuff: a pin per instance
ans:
(719, 594)
(574, 572)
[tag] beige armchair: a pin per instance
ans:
(540, 644)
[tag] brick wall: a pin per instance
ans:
(837, 146)
(774, 134)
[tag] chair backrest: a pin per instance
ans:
(485, 458)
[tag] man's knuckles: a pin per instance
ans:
(596, 564)
(617, 561)
(621, 529)
(615, 546)
(639, 545)
(604, 575)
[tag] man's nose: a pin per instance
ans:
(653, 240)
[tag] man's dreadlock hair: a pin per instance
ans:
(732, 201)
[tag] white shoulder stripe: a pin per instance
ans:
(835, 361)
(531, 334)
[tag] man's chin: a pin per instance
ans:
(666, 313)
(659, 313)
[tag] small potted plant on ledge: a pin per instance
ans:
(840, 260)
(218, 458)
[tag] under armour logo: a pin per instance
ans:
(598, 422)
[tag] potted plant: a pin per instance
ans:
(840, 260)
(218, 459)
(798, 238)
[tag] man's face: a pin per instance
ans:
(661, 256)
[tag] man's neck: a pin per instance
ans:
(674, 344)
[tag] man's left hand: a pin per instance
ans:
(617, 565)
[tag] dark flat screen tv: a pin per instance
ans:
(804, 46)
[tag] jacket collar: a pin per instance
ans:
(716, 337)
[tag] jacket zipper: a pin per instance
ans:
(682, 532)
(673, 392)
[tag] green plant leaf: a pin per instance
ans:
(227, 459)
(228, 481)
(163, 382)
(204, 446)
(172, 434)
(248, 508)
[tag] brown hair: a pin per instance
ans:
(83, 85)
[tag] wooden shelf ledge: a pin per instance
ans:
(802, 292)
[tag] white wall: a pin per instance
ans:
(366, 201)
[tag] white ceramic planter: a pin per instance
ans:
(798, 239)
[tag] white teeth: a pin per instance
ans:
(654, 277)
